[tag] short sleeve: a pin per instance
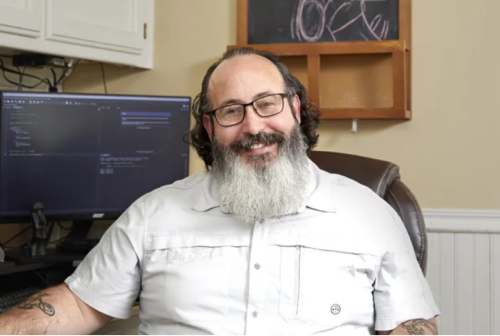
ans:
(401, 291)
(109, 277)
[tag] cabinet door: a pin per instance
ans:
(119, 25)
(22, 17)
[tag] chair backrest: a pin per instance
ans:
(384, 179)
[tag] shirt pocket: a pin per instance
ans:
(326, 283)
(196, 275)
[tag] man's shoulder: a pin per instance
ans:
(158, 204)
(351, 194)
(178, 195)
(343, 183)
(186, 185)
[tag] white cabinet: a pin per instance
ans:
(112, 31)
(23, 17)
(111, 24)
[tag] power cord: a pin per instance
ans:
(68, 71)
(41, 277)
(54, 77)
(62, 227)
(7, 70)
(103, 78)
(58, 240)
(6, 243)
(52, 85)
(19, 88)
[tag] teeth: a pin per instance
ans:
(257, 146)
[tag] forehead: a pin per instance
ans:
(243, 77)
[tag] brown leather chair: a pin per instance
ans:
(384, 179)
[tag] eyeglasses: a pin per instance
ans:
(234, 114)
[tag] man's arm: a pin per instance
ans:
(414, 327)
(52, 311)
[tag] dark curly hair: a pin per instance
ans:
(309, 114)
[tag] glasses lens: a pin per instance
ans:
(269, 105)
(230, 115)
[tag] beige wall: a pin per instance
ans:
(449, 153)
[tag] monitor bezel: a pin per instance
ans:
(112, 215)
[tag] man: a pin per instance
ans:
(262, 243)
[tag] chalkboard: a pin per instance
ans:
(295, 21)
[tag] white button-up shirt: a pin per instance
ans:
(343, 264)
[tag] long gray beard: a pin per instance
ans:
(262, 189)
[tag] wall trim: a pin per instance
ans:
(462, 221)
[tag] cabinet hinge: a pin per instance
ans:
(145, 31)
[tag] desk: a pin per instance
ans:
(53, 255)
(6, 264)
(21, 271)
(11, 268)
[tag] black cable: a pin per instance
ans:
(24, 85)
(5, 69)
(16, 235)
(58, 240)
(20, 86)
(66, 71)
(62, 76)
(42, 278)
(62, 227)
(62, 238)
(5, 76)
(103, 78)
(54, 77)
(50, 228)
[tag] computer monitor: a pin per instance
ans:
(87, 156)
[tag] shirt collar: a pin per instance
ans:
(321, 197)
(203, 197)
(320, 193)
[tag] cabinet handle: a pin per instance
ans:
(145, 31)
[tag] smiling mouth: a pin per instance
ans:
(258, 142)
(257, 146)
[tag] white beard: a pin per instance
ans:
(262, 189)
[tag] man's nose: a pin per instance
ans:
(253, 123)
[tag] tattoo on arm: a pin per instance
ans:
(38, 303)
(419, 327)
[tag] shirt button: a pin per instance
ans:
(254, 314)
(257, 266)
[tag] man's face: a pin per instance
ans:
(241, 80)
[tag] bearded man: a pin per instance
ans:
(263, 242)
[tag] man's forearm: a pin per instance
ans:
(51, 311)
(416, 327)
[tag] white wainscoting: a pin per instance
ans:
(463, 269)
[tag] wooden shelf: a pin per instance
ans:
(399, 73)
(364, 113)
(397, 50)
(330, 48)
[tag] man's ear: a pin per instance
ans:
(296, 107)
(209, 125)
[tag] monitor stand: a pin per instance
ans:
(73, 248)
(76, 241)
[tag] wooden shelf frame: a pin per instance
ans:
(399, 51)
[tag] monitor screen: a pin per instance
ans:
(87, 156)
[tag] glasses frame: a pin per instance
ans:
(283, 96)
